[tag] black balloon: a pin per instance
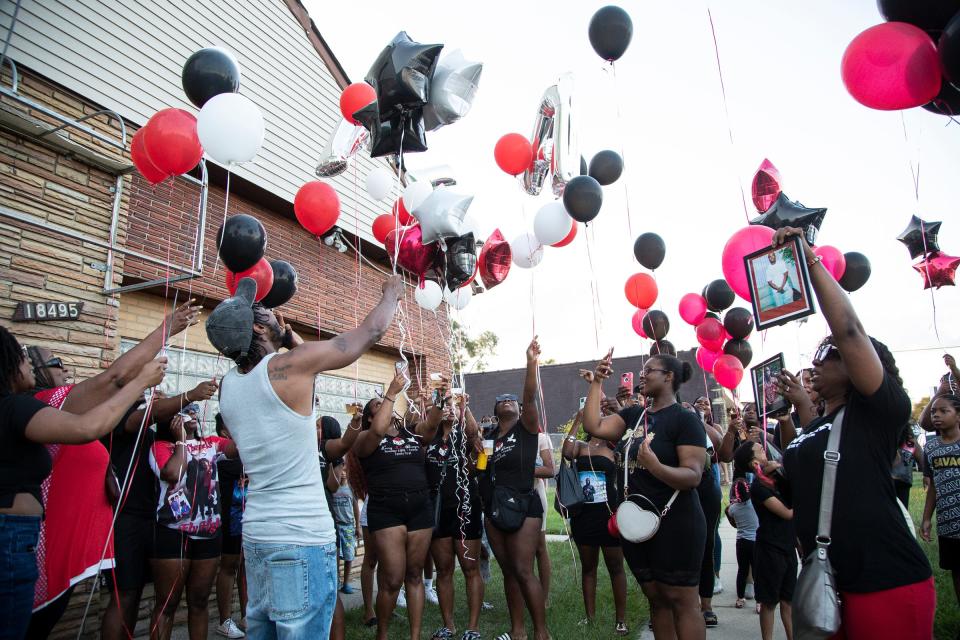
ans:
(610, 32)
(583, 167)
(209, 72)
(738, 322)
(401, 75)
(929, 15)
(241, 242)
(719, 295)
(662, 348)
(920, 237)
(949, 49)
(857, 272)
(711, 314)
(649, 249)
(947, 102)
(787, 213)
(740, 349)
(606, 167)
(284, 284)
(386, 136)
(461, 260)
(582, 198)
(656, 324)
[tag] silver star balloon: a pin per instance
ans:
(452, 90)
(441, 214)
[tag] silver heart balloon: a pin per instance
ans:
(441, 214)
(452, 90)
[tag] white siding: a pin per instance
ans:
(126, 55)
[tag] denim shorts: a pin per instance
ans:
(291, 590)
(347, 542)
(18, 573)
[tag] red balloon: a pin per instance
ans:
(171, 142)
(495, 260)
(728, 370)
(641, 290)
(892, 66)
(693, 308)
(569, 238)
(707, 358)
(832, 259)
(637, 322)
(612, 527)
(356, 97)
(710, 334)
(938, 270)
(513, 153)
(745, 241)
(413, 255)
(382, 225)
(766, 186)
(317, 207)
(403, 216)
(261, 272)
(142, 162)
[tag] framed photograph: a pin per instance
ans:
(764, 379)
(779, 285)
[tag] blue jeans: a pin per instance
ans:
(18, 573)
(717, 545)
(291, 590)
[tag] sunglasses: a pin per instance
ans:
(825, 352)
(647, 372)
(53, 363)
(507, 397)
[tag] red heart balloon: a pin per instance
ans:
(495, 260)
(409, 251)
(766, 186)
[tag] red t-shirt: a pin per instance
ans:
(192, 504)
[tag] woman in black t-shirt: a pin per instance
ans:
(664, 451)
(511, 469)
(400, 515)
(26, 425)
(877, 562)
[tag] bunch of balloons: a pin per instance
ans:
(922, 241)
(724, 350)
(241, 244)
(912, 60)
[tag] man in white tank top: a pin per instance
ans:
(289, 539)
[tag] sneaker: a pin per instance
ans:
(347, 589)
(229, 629)
(717, 585)
(710, 619)
(470, 634)
(748, 592)
(431, 594)
(486, 606)
(402, 598)
(443, 633)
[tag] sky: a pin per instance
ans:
(663, 110)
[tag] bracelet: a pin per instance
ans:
(386, 397)
(571, 439)
(179, 442)
(810, 263)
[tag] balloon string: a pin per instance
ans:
(726, 111)
(623, 148)
(928, 281)
(914, 172)
(594, 285)
(356, 299)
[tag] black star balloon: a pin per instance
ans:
(387, 136)
(402, 73)
(920, 237)
(461, 261)
(787, 213)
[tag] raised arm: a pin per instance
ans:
(52, 426)
(367, 441)
(529, 416)
(165, 408)
(571, 446)
(96, 390)
(548, 469)
(339, 447)
(176, 465)
(725, 450)
(606, 427)
(859, 357)
(789, 385)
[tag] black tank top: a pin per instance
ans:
(443, 458)
(396, 466)
(514, 459)
(599, 481)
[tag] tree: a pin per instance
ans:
(918, 408)
(471, 353)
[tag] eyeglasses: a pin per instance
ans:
(826, 351)
(53, 363)
(507, 397)
(647, 372)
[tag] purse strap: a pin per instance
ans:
(831, 457)
(626, 467)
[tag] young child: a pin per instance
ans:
(942, 466)
(345, 517)
(743, 517)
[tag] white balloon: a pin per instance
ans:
(527, 251)
(430, 296)
(230, 128)
(458, 299)
(415, 194)
(379, 183)
(552, 223)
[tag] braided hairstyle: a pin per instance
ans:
(11, 356)
(953, 399)
(886, 358)
(40, 371)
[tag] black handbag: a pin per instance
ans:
(509, 508)
(569, 499)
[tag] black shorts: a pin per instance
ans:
(451, 525)
(949, 553)
(169, 544)
(411, 510)
(774, 573)
(589, 527)
(534, 508)
(133, 548)
(231, 545)
(674, 555)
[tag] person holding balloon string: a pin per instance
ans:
(662, 453)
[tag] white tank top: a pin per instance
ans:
(285, 500)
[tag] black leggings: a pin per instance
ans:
(710, 498)
(744, 562)
(42, 622)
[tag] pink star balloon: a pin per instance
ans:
(766, 187)
(938, 270)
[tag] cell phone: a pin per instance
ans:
(626, 380)
(583, 402)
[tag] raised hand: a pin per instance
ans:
(604, 368)
(393, 288)
(533, 351)
(203, 391)
(183, 316)
(152, 373)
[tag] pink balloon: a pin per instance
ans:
(693, 308)
(728, 370)
(832, 259)
(637, 322)
(413, 255)
(745, 241)
(706, 358)
(711, 334)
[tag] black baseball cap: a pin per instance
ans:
(230, 324)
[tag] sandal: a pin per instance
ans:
(739, 603)
(621, 629)
(372, 622)
(443, 633)
(710, 619)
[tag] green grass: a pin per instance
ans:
(565, 607)
(947, 622)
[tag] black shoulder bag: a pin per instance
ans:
(508, 506)
(569, 499)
